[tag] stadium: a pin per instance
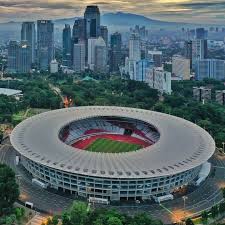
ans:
(112, 153)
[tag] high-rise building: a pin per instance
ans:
(134, 47)
(91, 52)
(19, 57)
(54, 66)
(181, 67)
(101, 58)
(97, 54)
(25, 59)
(45, 43)
(188, 51)
(199, 50)
(115, 52)
(92, 21)
(156, 57)
(79, 30)
(159, 79)
(104, 34)
(28, 34)
(67, 45)
(201, 33)
(220, 97)
(79, 57)
(210, 68)
(142, 68)
(202, 94)
(13, 56)
(79, 34)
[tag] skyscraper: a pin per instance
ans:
(13, 56)
(92, 20)
(97, 54)
(134, 48)
(115, 51)
(199, 50)
(79, 30)
(188, 51)
(25, 59)
(67, 50)
(19, 57)
(45, 43)
(28, 33)
(101, 58)
(104, 34)
(200, 33)
(79, 57)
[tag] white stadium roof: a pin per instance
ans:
(182, 145)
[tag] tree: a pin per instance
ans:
(214, 211)
(189, 222)
(223, 191)
(222, 207)
(1, 136)
(78, 213)
(114, 221)
(204, 216)
(9, 190)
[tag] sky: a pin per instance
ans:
(197, 11)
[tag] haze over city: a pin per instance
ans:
(198, 11)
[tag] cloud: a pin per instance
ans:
(208, 11)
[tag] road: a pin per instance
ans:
(201, 198)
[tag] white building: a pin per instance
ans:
(159, 79)
(79, 57)
(181, 67)
(97, 54)
(199, 50)
(134, 48)
(54, 66)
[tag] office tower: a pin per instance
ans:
(67, 45)
(202, 94)
(210, 68)
(25, 59)
(199, 50)
(54, 66)
(13, 56)
(156, 57)
(92, 21)
(101, 53)
(181, 67)
(188, 51)
(28, 33)
(115, 52)
(79, 57)
(200, 33)
(97, 54)
(134, 48)
(79, 30)
(19, 57)
(91, 52)
(220, 97)
(45, 43)
(104, 34)
(142, 67)
(159, 79)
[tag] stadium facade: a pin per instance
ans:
(172, 155)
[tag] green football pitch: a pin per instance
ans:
(111, 146)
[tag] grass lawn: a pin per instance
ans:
(111, 146)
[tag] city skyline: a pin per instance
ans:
(200, 11)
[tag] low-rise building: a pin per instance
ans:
(202, 94)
